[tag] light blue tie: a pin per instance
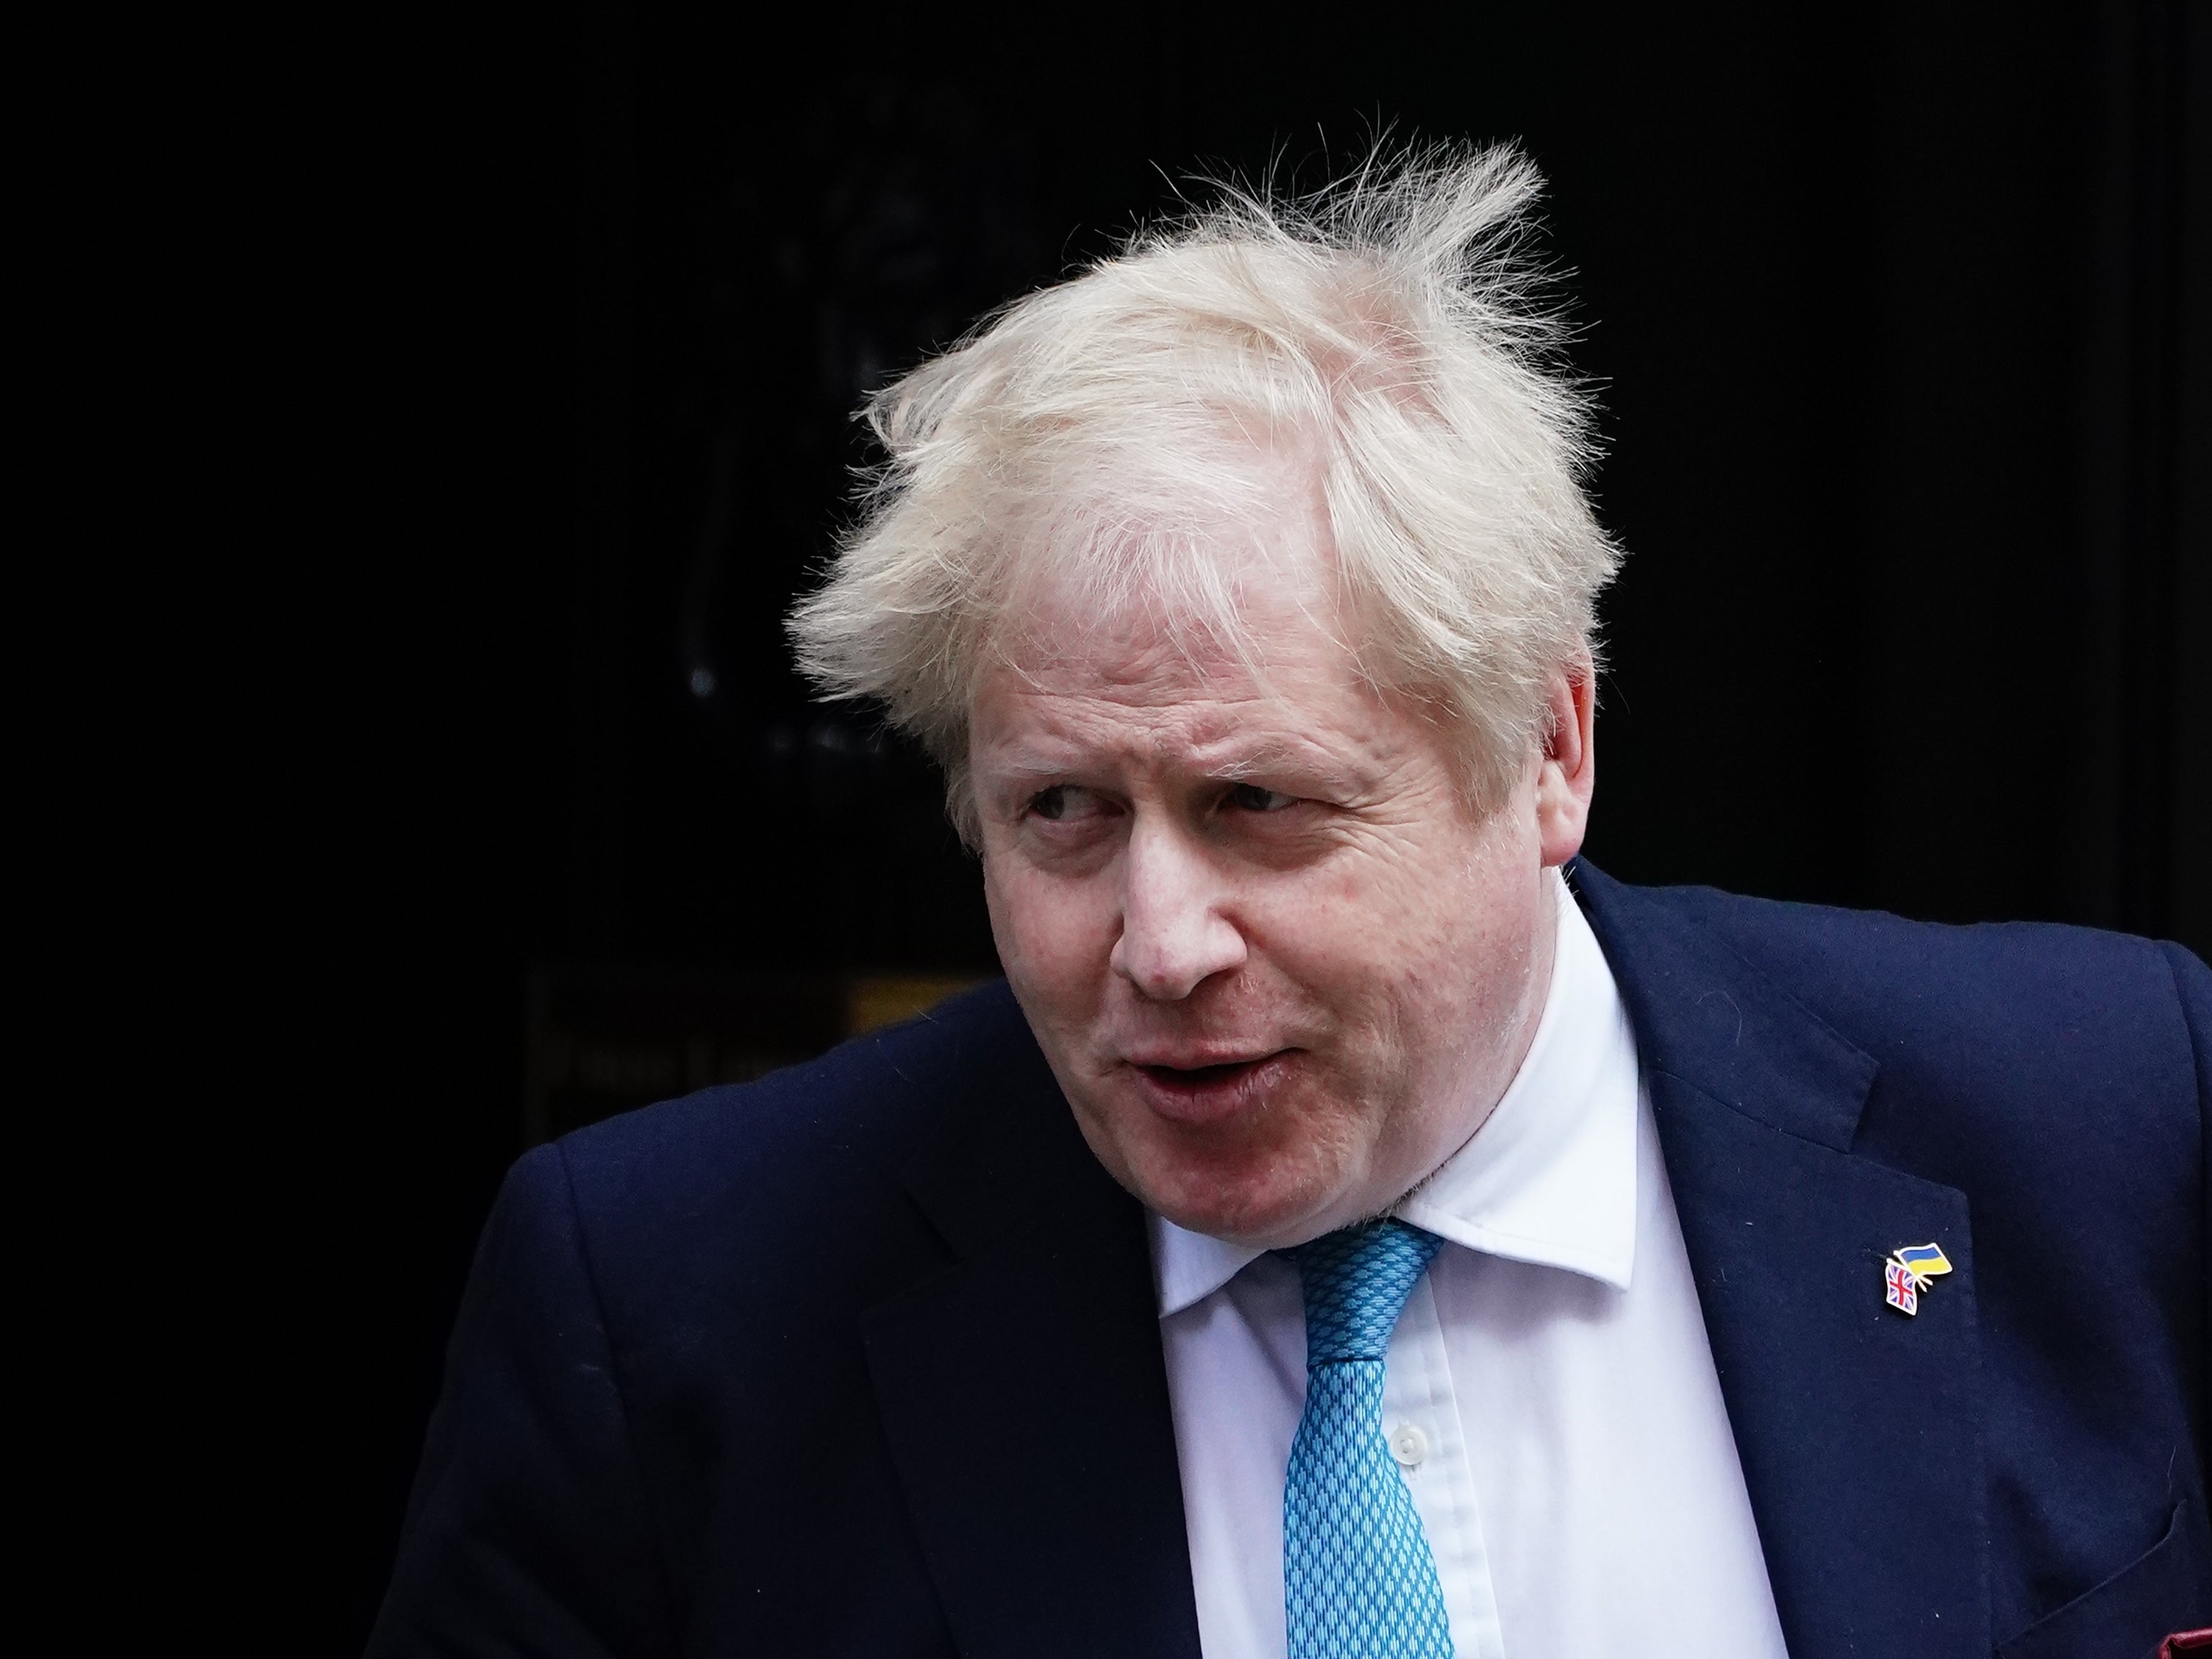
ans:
(1358, 1581)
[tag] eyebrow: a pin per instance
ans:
(1061, 760)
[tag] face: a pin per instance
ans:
(1279, 965)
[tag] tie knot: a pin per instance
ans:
(1356, 1282)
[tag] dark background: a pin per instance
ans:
(1901, 323)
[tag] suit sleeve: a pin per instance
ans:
(2194, 982)
(528, 1532)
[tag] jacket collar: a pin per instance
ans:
(1024, 1394)
(1859, 1430)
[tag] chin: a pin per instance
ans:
(1221, 1216)
(1267, 1201)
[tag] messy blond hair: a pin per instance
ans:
(1386, 334)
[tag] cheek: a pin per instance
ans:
(1408, 942)
(1370, 919)
(1488, 898)
(1054, 938)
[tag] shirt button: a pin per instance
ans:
(1409, 1445)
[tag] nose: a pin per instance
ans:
(1174, 936)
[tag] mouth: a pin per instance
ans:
(1198, 1095)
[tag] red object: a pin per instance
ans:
(1902, 1295)
(2185, 1641)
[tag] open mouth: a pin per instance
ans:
(1205, 1094)
(1199, 1076)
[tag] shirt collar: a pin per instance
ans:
(1548, 1177)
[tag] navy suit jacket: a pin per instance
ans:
(863, 1359)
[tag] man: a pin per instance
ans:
(1355, 1227)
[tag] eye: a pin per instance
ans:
(1068, 802)
(1251, 798)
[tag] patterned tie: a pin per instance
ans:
(1358, 1581)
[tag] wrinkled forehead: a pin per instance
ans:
(1233, 581)
(1264, 632)
(1124, 703)
(1150, 686)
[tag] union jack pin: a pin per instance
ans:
(1911, 1269)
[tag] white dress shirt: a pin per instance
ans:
(1550, 1394)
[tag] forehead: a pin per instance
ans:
(1148, 684)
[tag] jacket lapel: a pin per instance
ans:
(1024, 1396)
(1859, 1430)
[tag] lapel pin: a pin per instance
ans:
(1909, 1272)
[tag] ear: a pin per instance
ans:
(1568, 771)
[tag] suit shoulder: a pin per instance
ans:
(807, 1141)
(1871, 968)
(2007, 1023)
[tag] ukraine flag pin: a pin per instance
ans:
(1911, 1270)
